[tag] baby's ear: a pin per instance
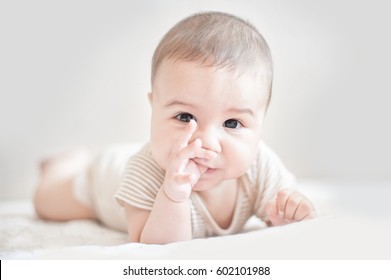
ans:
(150, 97)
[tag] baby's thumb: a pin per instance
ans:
(271, 208)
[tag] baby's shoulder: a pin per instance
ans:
(265, 165)
(265, 157)
(143, 162)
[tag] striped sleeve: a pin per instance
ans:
(141, 181)
(271, 176)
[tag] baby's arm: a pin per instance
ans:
(289, 206)
(169, 220)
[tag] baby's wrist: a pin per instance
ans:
(173, 198)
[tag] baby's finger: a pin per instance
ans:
(271, 208)
(292, 205)
(181, 158)
(193, 150)
(183, 141)
(203, 153)
(179, 153)
(305, 210)
(282, 198)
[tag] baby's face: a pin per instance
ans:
(229, 112)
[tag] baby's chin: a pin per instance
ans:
(205, 183)
(199, 187)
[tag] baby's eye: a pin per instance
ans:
(185, 117)
(231, 123)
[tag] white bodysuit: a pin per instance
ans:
(115, 179)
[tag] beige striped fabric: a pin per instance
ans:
(143, 177)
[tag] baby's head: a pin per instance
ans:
(214, 68)
(219, 40)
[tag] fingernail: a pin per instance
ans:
(280, 214)
(193, 121)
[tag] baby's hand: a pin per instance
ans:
(289, 206)
(182, 172)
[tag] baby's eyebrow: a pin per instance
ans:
(231, 110)
(241, 111)
(178, 103)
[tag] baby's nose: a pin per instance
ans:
(210, 139)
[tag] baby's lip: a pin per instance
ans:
(205, 170)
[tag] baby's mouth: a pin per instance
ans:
(205, 170)
(204, 163)
(203, 167)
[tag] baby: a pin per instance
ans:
(205, 171)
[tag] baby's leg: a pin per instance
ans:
(54, 198)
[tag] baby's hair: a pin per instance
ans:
(220, 40)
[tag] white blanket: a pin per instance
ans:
(334, 235)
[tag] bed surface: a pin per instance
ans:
(338, 233)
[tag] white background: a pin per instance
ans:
(76, 73)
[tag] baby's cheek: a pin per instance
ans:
(241, 162)
(160, 155)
